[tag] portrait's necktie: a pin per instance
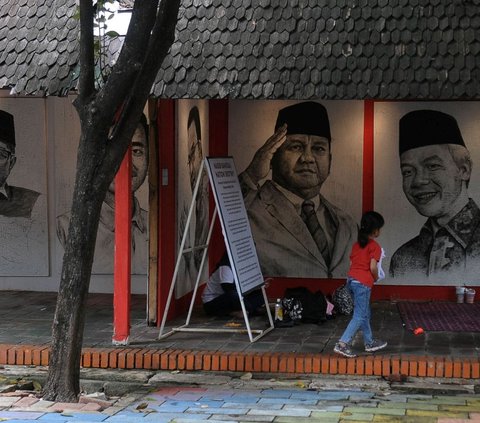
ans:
(310, 218)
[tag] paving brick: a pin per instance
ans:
(422, 366)
(374, 410)
(93, 407)
(448, 372)
(460, 408)
(20, 415)
(457, 368)
(299, 364)
(198, 361)
(409, 405)
(234, 418)
(362, 417)
(290, 412)
(62, 406)
(274, 363)
(368, 366)
(403, 419)
(8, 401)
(320, 416)
(429, 413)
(333, 365)
(190, 364)
(441, 400)
(86, 400)
(218, 410)
(265, 363)
(377, 366)
(25, 402)
(224, 362)
(104, 354)
(466, 370)
(475, 368)
(325, 364)
(291, 358)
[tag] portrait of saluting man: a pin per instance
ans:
(297, 231)
(14, 201)
(436, 167)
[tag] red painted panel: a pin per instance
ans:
(218, 146)
(368, 156)
(167, 202)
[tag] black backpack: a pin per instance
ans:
(313, 305)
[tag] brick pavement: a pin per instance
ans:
(25, 325)
(220, 404)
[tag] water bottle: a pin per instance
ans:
(278, 310)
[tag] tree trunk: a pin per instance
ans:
(69, 320)
(150, 35)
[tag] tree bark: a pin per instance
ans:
(98, 159)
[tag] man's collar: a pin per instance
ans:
(461, 226)
(3, 190)
(107, 216)
(295, 199)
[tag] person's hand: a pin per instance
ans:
(260, 164)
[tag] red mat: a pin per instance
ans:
(441, 316)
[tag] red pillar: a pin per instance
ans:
(122, 252)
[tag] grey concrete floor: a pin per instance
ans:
(26, 317)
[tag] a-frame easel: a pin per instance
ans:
(224, 183)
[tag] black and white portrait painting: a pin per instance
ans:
(192, 145)
(427, 186)
(23, 186)
(300, 167)
(104, 248)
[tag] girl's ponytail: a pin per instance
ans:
(370, 222)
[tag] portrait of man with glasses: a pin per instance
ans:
(14, 201)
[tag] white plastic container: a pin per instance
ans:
(469, 295)
(460, 291)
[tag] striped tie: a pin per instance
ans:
(310, 218)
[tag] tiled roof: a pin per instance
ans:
(328, 49)
(331, 49)
(38, 46)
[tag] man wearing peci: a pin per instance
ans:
(14, 201)
(103, 259)
(436, 168)
(297, 231)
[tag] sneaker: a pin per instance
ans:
(344, 350)
(375, 345)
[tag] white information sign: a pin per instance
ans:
(235, 225)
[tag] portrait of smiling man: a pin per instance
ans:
(436, 167)
(297, 231)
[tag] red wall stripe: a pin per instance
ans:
(167, 199)
(218, 147)
(368, 156)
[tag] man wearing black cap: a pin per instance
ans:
(297, 232)
(436, 168)
(14, 201)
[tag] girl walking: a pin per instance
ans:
(364, 271)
